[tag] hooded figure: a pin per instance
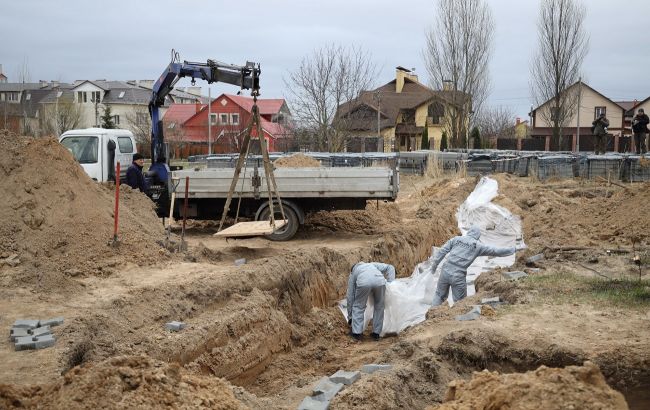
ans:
(367, 278)
(462, 251)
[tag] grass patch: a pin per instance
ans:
(563, 287)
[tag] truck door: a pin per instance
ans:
(124, 153)
(85, 149)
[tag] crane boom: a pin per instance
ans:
(246, 77)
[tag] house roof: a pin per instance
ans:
(584, 85)
(267, 106)
(179, 113)
(639, 103)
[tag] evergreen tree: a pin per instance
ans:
(443, 141)
(475, 135)
(425, 138)
(107, 119)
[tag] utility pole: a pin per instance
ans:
(578, 116)
(209, 121)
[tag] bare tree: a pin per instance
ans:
(563, 45)
(496, 122)
(56, 118)
(326, 79)
(139, 122)
(457, 56)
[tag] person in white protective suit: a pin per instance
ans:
(367, 278)
(462, 251)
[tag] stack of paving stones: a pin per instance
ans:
(328, 387)
(608, 166)
(29, 334)
(635, 170)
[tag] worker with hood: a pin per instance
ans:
(367, 278)
(462, 251)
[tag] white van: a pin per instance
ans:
(98, 150)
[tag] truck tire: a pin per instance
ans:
(286, 232)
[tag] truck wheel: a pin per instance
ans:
(286, 232)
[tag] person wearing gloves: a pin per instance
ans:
(462, 251)
(367, 278)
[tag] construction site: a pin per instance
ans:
(261, 321)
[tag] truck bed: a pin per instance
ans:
(352, 182)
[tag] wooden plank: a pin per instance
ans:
(254, 228)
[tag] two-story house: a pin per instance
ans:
(398, 113)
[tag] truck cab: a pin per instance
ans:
(98, 150)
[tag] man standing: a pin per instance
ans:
(462, 251)
(600, 125)
(367, 278)
(640, 129)
(134, 176)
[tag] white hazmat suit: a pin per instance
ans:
(462, 251)
(367, 278)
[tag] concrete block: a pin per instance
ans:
(26, 323)
(40, 331)
(42, 342)
(468, 316)
(514, 275)
(25, 343)
(535, 258)
(18, 332)
(239, 262)
(325, 389)
(371, 368)
(344, 377)
(175, 326)
(489, 301)
(52, 322)
(312, 403)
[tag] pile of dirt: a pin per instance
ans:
(58, 221)
(372, 220)
(133, 382)
(296, 161)
(574, 387)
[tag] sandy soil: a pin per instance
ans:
(261, 334)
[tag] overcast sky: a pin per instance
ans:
(67, 40)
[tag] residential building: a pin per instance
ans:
(228, 117)
(3, 77)
(396, 114)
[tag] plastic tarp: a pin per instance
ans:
(408, 299)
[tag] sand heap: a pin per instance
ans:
(574, 387)
(57, 220)
(126, 382)
(296, 161)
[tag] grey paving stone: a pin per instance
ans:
(473, 314)
(175, 326)
(40, 331)
(239, 262)
(52, 322)
(18, 332)
(486, 301)
(41, 342)
(326, 389)
(311, 403)
(344, 377)
(535, 258)
(26, 323)
(514, 275)
(25, 343)
(371, 368)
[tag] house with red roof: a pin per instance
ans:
(224, 123)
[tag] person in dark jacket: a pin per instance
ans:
(600, 125)
(134, 175)
(160, 170)
(640, 129)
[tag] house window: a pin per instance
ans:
(116, 119)
(213, 119)
(234, 119)
(223, 118)
(435, 112)
(141, 118)
(599, 110)
(171, 125)
(95, 97)
(82, 97)
(12, 96)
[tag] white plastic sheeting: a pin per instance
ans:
(409, 299)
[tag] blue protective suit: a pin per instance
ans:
(367, 278)
(462, 251)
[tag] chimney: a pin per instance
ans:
(400, 74)
(447, 85)
(146, 83)
(0, 68)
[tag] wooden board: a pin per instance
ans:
(254, 228)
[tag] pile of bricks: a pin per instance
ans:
(29, 334)
(328, 387)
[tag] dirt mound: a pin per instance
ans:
(296, 161)
(374, 219)
(574, 387)
(57, 220)
(133, 382)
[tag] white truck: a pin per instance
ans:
(98, 150)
